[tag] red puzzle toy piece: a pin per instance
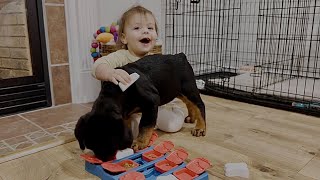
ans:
(153, 138)
(113, 167)
(193, 169)
(119, 167)
(173, 160)
(133, 176)
(199, 165)
(91, 159)
(158, 151)
(128, 164)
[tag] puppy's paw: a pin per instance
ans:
(139, 144)
(198, 132)
(188, 119)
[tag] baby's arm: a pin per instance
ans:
(105, 73)
(104, 69)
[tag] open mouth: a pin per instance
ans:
(145, 40)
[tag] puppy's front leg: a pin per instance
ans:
(148, 103)
(146, 127)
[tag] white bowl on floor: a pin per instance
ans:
(170, 119)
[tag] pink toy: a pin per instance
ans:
(94, 45)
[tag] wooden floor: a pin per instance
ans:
(275, 144)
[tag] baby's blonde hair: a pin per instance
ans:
(125, 16)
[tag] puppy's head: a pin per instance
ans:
(103, 134)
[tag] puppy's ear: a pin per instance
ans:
(80, 130)
(181, 55)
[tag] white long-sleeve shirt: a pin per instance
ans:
(116, 59)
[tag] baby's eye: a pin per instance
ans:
(150, 28)
(136, 28)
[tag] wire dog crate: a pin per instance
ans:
(262, 51)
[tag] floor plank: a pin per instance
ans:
(312, 168)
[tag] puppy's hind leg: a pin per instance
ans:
(196, 108)
(191, 118)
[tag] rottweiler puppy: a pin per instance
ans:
(106, 129)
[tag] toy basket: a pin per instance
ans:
(112, 47)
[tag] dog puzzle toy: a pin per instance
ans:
(152, 163)
(134, 78)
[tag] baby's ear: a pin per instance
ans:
(123, 38)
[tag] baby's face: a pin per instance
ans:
(140, 34)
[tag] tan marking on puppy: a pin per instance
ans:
(128, 122)
(191, 112)
(143, 138)
(194, 114)
(128, 118)
(134, 111)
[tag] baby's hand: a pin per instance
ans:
(119, 75)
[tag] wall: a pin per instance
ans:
(57, 46)
(83, 19)
(14, 44)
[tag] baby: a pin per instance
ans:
(138, 32)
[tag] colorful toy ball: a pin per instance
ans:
(95, 35)
(107, 29)
(93, 50)
(113, 29)
(95, 54)
(94, 45)
(115, 36)
(98, 32)
(102, 29)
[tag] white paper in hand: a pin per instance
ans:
(134, 78)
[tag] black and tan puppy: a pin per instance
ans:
(105, 129)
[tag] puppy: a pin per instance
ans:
(106, 129)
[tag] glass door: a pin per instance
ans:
(24, 80)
